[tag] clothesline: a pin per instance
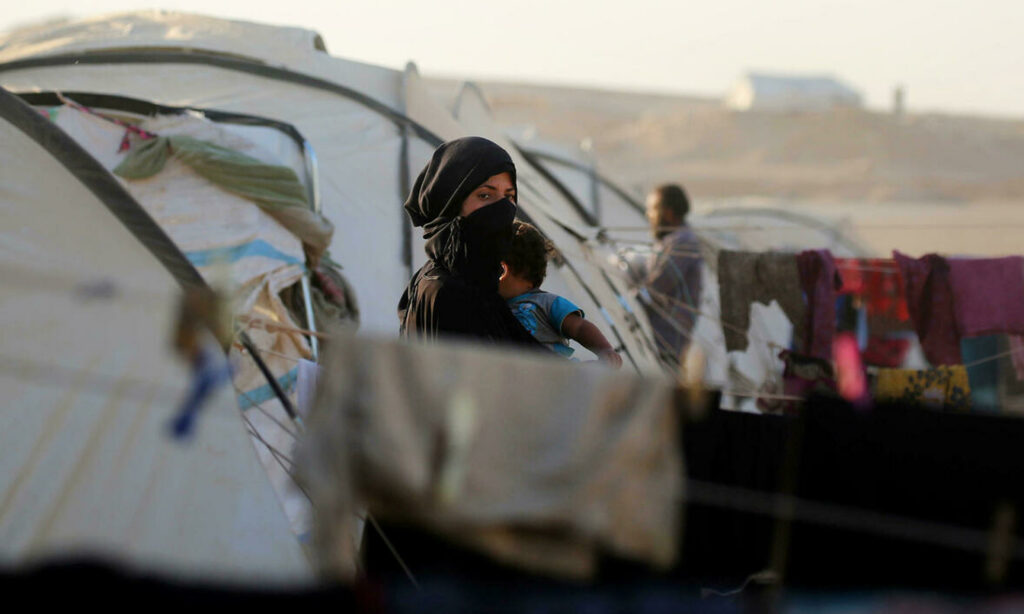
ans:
(791, 224)
(770, 344)
(981, 361)
(750, 336)
(845, 517)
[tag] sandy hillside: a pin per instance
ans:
(849, 156)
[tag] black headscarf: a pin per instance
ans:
(470, 247)
(456, 169)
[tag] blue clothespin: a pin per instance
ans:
(210, 371)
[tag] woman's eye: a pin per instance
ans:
(483, 196)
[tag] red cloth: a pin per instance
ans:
(877, 282)
(882, 352)
(929, 297)
(988, 295)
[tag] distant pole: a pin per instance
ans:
(898, 100)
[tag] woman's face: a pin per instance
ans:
(491, 191)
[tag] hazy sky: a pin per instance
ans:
(951, 56)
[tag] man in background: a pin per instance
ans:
(669, 279)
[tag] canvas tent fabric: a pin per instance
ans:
(543, 477)
(274, 187)
(225, 236)
(91, 384)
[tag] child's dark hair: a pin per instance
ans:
(528, 256)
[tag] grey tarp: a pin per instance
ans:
(448, 437)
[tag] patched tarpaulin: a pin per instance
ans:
(541, 469)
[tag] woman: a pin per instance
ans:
(465, 201)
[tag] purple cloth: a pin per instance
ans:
(819, 280)
(988, 295)
(929, 295)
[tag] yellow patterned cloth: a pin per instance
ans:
(938, 387)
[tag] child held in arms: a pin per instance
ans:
(551, 319)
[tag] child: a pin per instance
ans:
(551, 319)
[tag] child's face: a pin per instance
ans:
(511, 285)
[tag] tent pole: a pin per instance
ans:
(265, 370)
(307, 300)
(313, 188)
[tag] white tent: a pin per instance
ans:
(371, 129)
(90, 383)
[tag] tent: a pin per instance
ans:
(88, 300)
(370, 128)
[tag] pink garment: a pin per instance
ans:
(850, 377)
(929, 295)
(988, 295)
(819, 280)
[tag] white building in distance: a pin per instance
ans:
(765, 92)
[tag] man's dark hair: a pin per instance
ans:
(529, 253)
(672, 197)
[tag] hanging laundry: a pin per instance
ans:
(803, 376)
(885, 351)
(276, 189)
(877, 282)
(1017, 354)
(930, 303)
(982, 370)
(851, 380)
(748, 277)
(820, 280)
(939, 387)
(988, 295)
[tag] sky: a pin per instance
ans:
(956, 57)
